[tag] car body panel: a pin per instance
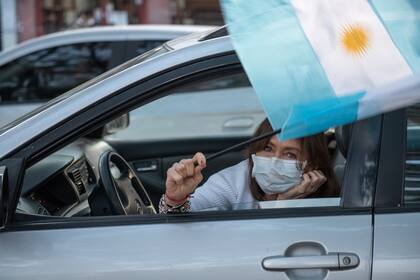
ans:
(396, 246)
(195, 250)
(9, 112)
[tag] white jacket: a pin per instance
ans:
(224, 190)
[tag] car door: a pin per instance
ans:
(318, 239)
(397, 212)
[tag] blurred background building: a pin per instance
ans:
(25, 19)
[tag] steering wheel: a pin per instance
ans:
(123, 188)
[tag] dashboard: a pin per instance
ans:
(60, 184)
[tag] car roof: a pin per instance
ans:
(177, 52)
(194, 38)
(101, 34)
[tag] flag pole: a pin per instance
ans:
(242, 144)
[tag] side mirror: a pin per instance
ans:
(117, 124)
(4, 196)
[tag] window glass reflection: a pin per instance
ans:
(46, 74)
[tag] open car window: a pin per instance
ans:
(206, 115)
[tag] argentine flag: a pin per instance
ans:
(317, 64)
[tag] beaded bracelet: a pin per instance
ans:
(168, 209)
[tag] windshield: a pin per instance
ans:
(141, 58)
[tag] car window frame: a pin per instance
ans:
(390, 182)
(141, 92)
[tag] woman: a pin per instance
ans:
(274, 170)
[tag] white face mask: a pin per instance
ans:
(275, 175)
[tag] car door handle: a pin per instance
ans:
(146, 165)
(332, 261)
(149, 168)
(238, 123)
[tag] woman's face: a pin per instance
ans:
(290, 149)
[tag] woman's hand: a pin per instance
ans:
(312, 180)
(183, 178)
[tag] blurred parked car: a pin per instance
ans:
(45, 67)
(76, 205)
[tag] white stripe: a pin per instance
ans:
(401, 94)
(324, 23)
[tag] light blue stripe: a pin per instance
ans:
(283, 68)
(307, 119)
(402, 20)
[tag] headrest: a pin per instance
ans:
(342, 136)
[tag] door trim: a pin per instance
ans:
(45, 223)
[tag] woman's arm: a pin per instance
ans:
(214, 193)
(182, 179)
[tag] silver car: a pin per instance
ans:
(78, 198)
(43, 68)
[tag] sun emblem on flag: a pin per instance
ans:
(355, 39)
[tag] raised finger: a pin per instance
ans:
(200, 158)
